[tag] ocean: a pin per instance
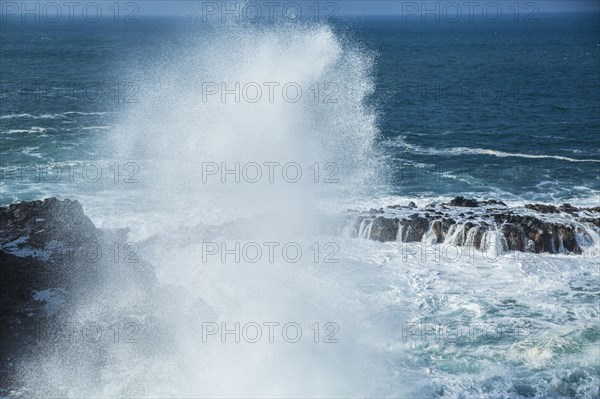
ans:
(200, 138)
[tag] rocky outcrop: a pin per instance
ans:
(46, 244)
(53, 259)
(534, 228)
(565, 208)
(471, 203)
(385, 229)
(51, 246)
(41, 222)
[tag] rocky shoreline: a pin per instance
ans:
(53, 244)
(51, 253)
(533, 228)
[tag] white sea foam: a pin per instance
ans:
(49, 116)
(458, 151)
(33, 129)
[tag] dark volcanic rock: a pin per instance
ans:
(492, 202)
(40, 242)
(471, 203)
(410, 205)
(414, 228)
(520, 231)
(568, 239)
(19, 278)
(465, 202)
(52, 244)
(52, 260)
(542, 208)
(43, 221)
(437, 230)
(594, 221)
(568, 208)
(514, 236)
(384, 229)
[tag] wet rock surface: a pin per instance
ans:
(40, 222)
(471, 203)
(51, 258)
(534, 228)
(52, 244)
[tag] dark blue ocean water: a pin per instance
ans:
(503, 109)
(449, 91)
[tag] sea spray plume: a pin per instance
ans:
(178, 127)
(170, 133)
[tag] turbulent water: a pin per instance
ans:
(133, 122)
